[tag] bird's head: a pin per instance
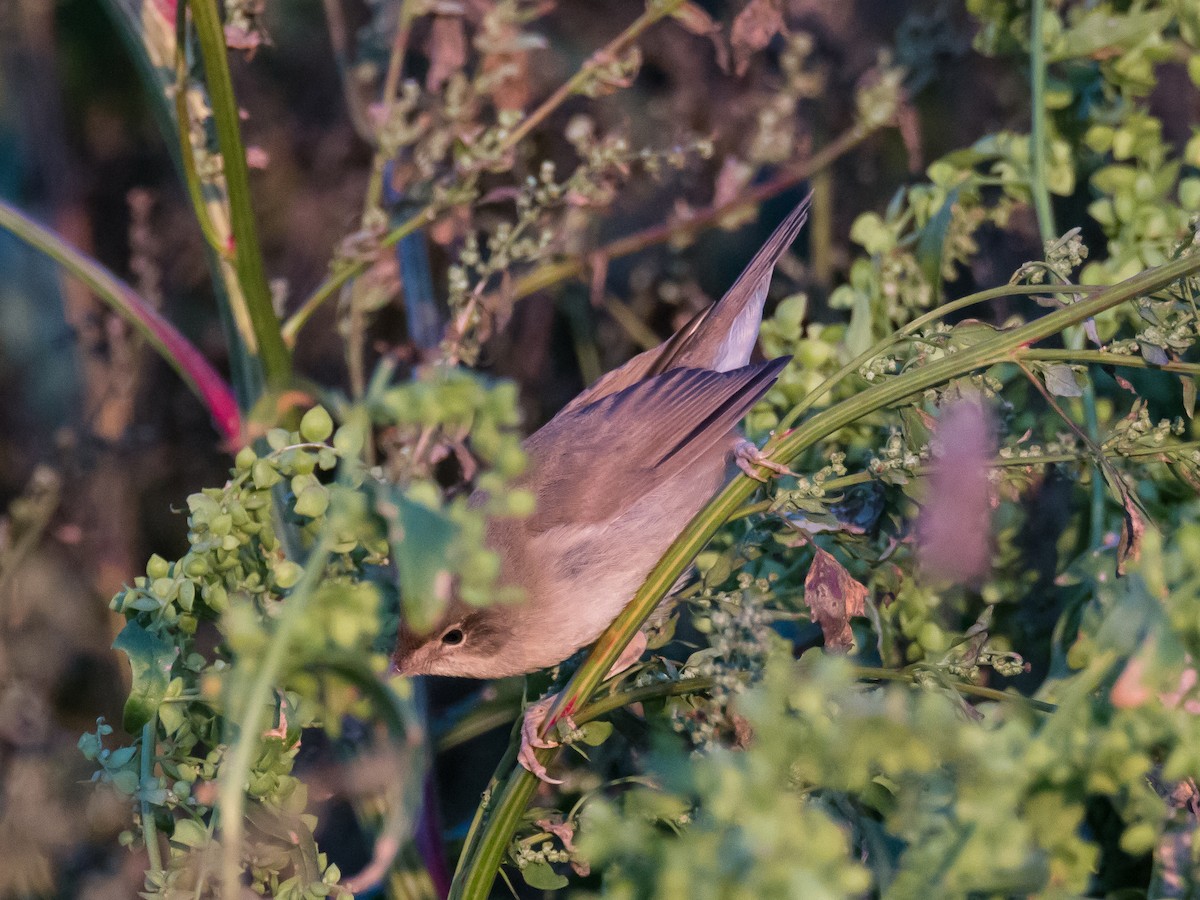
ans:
(467, 643)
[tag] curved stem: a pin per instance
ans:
(178, 351)
(231, 794)
(149, 827)
(881, 347)
(1001, 462)
(875, 673)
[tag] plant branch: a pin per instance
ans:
(1000, 462)
(875, 673)
(231, 793)
(1037, 129)
(671, 231)
(881, 347)
(271, 350)
(555, 273)
(1103, 358)
(187, 153)
(146, 772)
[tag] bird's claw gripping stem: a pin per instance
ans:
(749, 459)
(532, 741)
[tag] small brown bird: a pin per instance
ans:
(617, 474)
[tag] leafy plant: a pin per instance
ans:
(981, 720)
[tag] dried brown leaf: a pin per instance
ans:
(755, 26)
(1133, 526)
(695, 19)
(735, 174)
(833, 597)
(447, 48)
(699, 22)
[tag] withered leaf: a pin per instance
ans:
(1060, 381)
(833, 597)
(693, 17)
(1132, 529)
(699, 22)
(1133, 523)
(447, 48)
(735, 174)
(755, 26)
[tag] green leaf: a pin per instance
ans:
(120, 757)
(541, 876)
(859, 335)
(150, 659)
(190, 833)
(1060, 381)
(595, 733)
(930, 248)
(421, 539)
(1101, 30)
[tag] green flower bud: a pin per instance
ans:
(317, 425)
(245, 459)
(158, 567)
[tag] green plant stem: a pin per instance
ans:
(231, 794)
(472, 727)
(1103, 358)
(187, 154)
(1002, 462)
(875, 673)
(907, 330)
(1038, 139)
(554, 273)
(473, 880)
(1037, 130)
(149, 36)
(485, 845)
(148, 322)
(347, 270)
(272, 352)
(149, 828)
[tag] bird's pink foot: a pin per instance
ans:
(749, 459)
(535, 716)
(532, 741)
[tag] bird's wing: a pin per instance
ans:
(645, 364)
(720, 337)
(590, 466)
(725, 339)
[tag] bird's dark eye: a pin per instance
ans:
(453, 637)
